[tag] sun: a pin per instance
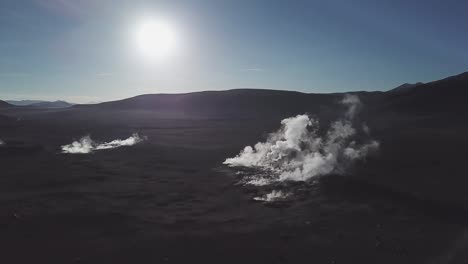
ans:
(156, 38)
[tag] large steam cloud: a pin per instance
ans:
(87, 145)
(297, 153)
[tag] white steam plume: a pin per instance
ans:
(134, 139)
(353, 103)
(273, 196)
(87, 145)
(2, 142)
(297, 153)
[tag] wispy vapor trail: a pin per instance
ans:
(134, 139)
(87, 145)
(297, 153)
(354, 105)
(273, 196)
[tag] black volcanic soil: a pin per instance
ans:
(170, 200)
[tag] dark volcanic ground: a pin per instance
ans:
(170, 199)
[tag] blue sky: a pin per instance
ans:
(83, 50)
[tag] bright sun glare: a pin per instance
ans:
(156, 39)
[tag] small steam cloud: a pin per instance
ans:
(2, 142)
(273, 196)
(353, 103)
(87, 145)
(297, 153)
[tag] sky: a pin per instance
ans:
(85, 51)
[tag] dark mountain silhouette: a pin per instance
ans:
(237, 103)
(459, 77)
(55, 104)
(40, 103)
(448, 95)
(405, 87)
(4, 104)
(442, 96)
(24, 102)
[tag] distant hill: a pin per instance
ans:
(442, 96)
(4, 104)
(40, 103)
(459, 77)
(237, 103)
(55, 104)
(446, 95)
(23, 102)
(405, 87)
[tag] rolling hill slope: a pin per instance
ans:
(4, 104)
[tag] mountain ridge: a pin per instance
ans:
(40, 103)
(4, 104)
